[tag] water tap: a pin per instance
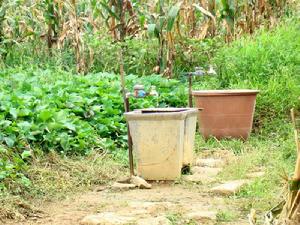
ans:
(200, 71)
(153, 91)
(139, 92)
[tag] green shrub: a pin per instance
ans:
(51, 110)
(269, 62)
(57, 110)
(101, 54)
(140, 55)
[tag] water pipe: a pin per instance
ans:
(199, 71)
(138, 92)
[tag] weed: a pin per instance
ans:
(55, 178)
(226, 216)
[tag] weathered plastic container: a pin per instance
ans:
(226, 113)
(159, 141)
(189, 137)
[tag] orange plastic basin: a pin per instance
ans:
(226, 113)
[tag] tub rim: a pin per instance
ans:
(161, 113)
(234, 92)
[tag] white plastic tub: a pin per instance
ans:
(163, 141)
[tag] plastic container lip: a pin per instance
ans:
(161, 114)
(167, 110)
(236, 92)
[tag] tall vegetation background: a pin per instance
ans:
(82, 35)
(59, 63)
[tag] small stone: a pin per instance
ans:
(229, 188)
(140, 182)
(150, 207)
(236, 223)
(145, 205)
(210, 162)
(226, 155)
(206, 171)
(99, 189)
(106, 218)
(202, 215)
(198, 178)
(254, 175)
(121, 186)
(202, 174)
(160, 220)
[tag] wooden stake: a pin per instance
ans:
(295, 130)
(297, 167)
(123, 84)
(190, 91)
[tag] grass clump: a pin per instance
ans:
(274, 155)
(54, 178)
(268, 61)
(226, 216)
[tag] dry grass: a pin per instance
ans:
(55, 177)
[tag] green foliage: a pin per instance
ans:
(226, 216)
(54, 110)
(44, 110)
(63, 112)
(172, 14)
(140, 56)
(11, 166)
(268, 62)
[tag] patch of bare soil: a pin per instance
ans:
(182, 202)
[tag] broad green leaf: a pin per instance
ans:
(152, 29)
(54, 126)
(108, 9)
(9, 141)
(24, 126)
(172, 14)
(5, 123)
(45, 115)
(70, 126)
(13, 112)
(204, 11)
(26, 154)
(61, 116)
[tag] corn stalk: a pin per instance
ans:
(64, 23)
(2, 18)
(162, 27)
(52, 20)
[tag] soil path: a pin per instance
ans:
(188, 201)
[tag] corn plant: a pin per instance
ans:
(2, 18)
(161, 26)
(51, 15)
(64, 24)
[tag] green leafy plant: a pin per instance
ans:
(56, 111)
(161, 26)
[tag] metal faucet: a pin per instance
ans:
(139, 92)
(199, 71)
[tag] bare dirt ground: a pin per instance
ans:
(188, 201)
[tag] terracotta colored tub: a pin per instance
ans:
(226, 113)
